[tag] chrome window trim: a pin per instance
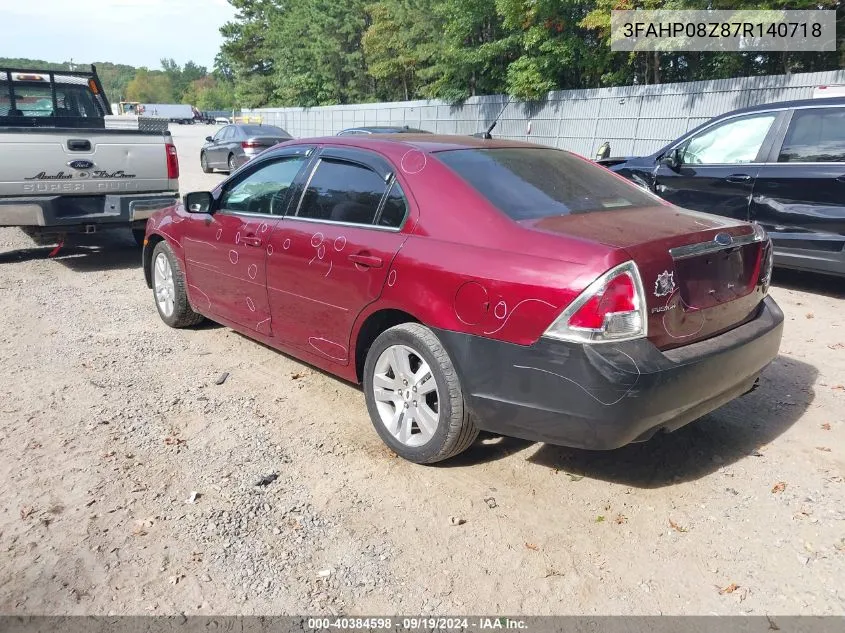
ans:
(390, 229)
(712, 246)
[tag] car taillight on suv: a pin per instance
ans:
(612, 308)
(172, 162)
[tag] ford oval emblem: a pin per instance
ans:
(80, 164)
(723, 239)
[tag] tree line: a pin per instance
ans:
(191, 83)
(324, 52)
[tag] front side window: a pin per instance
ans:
(815, 136)
(733, 142)
(342, 192)
(221, 135)
(265, 190)
(527, 183)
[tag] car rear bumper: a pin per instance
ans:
(607, 395)
(68, 211)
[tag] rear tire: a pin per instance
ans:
(400, 413)
(169, 293)
(204, 164)
(232, 165)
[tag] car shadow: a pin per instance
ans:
(110, 250)
(737, 430)
(827, 285)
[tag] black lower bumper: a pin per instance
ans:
(607, 395)
(68, 213)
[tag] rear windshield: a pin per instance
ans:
(36, 100)
(264, 130)
(527, 183)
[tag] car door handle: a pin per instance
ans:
(251, 240)
(370, 261)
(738, 178)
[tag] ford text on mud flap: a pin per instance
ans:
(64, 170)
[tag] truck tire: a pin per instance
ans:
(204, 164)
(139, 235)
(169, 292)
(414, 396)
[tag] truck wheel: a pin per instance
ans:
(139, 235)
(204, 164)
(232, 165)
(414, 396)
(169, 289)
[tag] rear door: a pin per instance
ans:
(331, 256)
(799, 197)
(216, 151)
(718, 166)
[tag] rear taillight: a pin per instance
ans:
(767, 254)
(172, 162)
(612, 308)
(251, 145)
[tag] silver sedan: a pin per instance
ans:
(235, 145)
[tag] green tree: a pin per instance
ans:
(397, 43)
(150, 87)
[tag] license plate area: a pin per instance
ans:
(717, 277)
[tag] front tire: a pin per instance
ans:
(204, 164)
(169, 293)
(414, 396)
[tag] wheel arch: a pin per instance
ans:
(147, 257)
(371, 327)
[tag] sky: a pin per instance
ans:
(134, 32)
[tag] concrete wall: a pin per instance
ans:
(635, 120)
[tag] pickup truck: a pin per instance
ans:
(65, 170)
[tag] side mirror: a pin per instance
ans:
(199, 202)
(209, 139)
(672, 160)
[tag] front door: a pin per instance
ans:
(226, 251)
(799, 196)
(717, 167)
(331, 257)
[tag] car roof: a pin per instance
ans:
(385, 129)
(782, 105)
(428, 143)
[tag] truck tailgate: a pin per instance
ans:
(45, 162)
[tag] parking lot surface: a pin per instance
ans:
(132, 483)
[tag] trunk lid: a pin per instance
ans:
(700, 272)
(47, 162)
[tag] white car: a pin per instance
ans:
(222, 120)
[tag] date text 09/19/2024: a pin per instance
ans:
(415, 624)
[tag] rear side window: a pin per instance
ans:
(342, 192)
(528, 183)
(815, 136)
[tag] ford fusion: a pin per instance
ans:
(472, 285)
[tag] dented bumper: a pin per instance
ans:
(608, 395)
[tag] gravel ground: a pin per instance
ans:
(132, 483)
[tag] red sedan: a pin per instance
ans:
(476, 285)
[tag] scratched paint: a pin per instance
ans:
(250, 304)
(286, 244)
(391, 278)
(340, 243)
(269, 249)
(506, 315)
(252, 271)
(205, 296)
(587, 391)
(336, 351)
(687, 311)
(233, 256)
(219, 233)
(413, 161)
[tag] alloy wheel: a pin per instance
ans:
(165, 290)
(406, 395)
